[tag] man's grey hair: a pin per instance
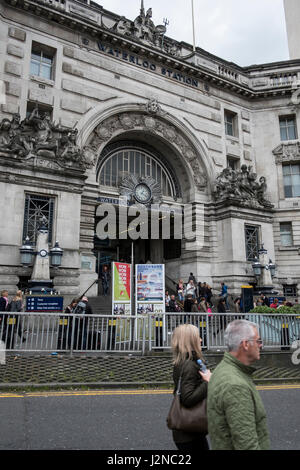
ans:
(237, 331)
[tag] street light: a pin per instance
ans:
(27, 254)
(272, 268)
(262, 263)
(257, 267)
(56, 254)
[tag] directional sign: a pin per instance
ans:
(43, 303)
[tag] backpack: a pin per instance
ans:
(80, 308)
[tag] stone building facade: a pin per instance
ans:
(92, 101)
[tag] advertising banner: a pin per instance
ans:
(121, 289)
(150, 288)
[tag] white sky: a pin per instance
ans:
(242, 31)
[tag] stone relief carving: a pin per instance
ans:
(242, 187)
(144, 30)
(153, 124)
(38, 138)
(287, 152)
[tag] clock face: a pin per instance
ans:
(43, 253)
(142, 193)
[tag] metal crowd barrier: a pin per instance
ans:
(45, 332)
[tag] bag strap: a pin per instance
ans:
(178, 392)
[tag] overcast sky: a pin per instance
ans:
(242, 31)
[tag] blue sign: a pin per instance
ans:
(43, 304)
(280, 300)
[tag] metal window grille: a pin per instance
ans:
(252, 242)
(37, 207)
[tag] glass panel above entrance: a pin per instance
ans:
(138, 163)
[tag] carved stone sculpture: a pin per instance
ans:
(37, 136)
(242, 187)
(144, 30)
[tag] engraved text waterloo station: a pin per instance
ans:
(136, 60)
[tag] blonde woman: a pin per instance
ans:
(186, 347)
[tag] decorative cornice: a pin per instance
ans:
(87, 25)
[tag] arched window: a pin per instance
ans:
(138, 162)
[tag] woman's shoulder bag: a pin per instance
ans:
(192, 419)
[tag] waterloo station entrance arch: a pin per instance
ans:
(149, 157)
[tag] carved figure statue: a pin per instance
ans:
(38, 136)
(242, 186)
(123, 26)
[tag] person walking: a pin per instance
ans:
(202, 305)
(265, 301)
(167, 301)
(224, 294)
(274, 304)
(64, 340)
(180, 290)
(236, 415)
(105, 278)
(191, 289)
(15, 321)
(209, 294)
(81, 329)
(186, 347)
(3, 308)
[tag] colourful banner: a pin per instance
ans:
(121, 294)
(150, 288)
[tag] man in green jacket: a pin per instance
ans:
(236, 414)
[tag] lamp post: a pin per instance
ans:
(40, 279)
(264, 270)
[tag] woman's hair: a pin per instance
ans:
(185, 341)
(3, 292)
(18, 296)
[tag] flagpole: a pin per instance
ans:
(193, 19)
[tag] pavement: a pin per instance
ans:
(57, 371)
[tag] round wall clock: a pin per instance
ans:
(142, 193)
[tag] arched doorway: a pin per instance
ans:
(135, 161)
(132, 142)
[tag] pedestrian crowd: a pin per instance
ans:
(196, 297)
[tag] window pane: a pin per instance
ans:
(34, 68)
(286, 170)
(47, 59)
(296, 185)
(283, 133)
(45, 72)
(36, 56)
(114, 171)
(295, 169)
(288, 192)
(292, 133)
